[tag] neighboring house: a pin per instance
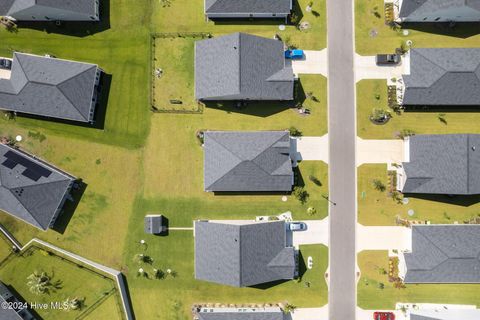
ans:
(273, 313)
(440, 77)
(441, 164)
(247, 8)
(254, 161)
(16, 312)
(240, 66)
(50, 10)
(243, 253)
(445, 314)
(442, 254)
(437, 10)
(50, 87)
(30, 189)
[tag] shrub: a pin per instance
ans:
(379, 185)
(380, 115)
(300, 194)
(294, 132)
(311, 211)
(406, 133)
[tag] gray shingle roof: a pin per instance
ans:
(248, 6)
(32, 195)
(9, 313)
(247, 161)
(445, 314)
(49, 87)
(279, 315)
(443, 77)
(242, 255)
(444, 254)
(153, 224)
(427, 7)
(443, 164)
(242, 67)
(13, 7)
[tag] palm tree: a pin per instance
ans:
(75, 303)
(39, 282)
(289, 308)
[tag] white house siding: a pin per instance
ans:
(41, 13)
(462, 14)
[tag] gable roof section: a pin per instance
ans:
(83, 7)
(30, 190)
(444, 254)
(247, 161)
(241, 66)
(443, 164)
(445, 314)
(443, 77)
(427, 7)
(242, 315)
(248, 6)
(49, 87)
(242, 254)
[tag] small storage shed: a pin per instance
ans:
(154, 224)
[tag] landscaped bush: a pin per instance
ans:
(300, 194)
(294, 132)
(380, 116)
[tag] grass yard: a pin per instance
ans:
(377, 208)
(188, 16)
(73, 282)
(419, 122)
(370, 296)
(5, 247)
(372, 36)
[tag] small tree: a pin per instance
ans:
(406, 133)
(311, 211)
(380, 115)
(300, 194)
(289, 308)
(74, 303)
(294, 132)
(158, 274)
(142, 258)
(378, 185)
(41, 283)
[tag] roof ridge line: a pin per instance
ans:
(253, 160)
(224, 147)
(447, 257)
(431, 60)
(468, 163)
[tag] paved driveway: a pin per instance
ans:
(379, 151)
(310, 313)
(316, 233)
(383, 238)
(366, 68)
(314, 62)
(311, 148)
(368, 314)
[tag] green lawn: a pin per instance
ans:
(377, 208)
(419, 122)
(73, 282)
(386, 39)
(370, 296)
(5, 247)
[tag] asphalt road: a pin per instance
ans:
(342, 166)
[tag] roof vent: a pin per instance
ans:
(473, 148)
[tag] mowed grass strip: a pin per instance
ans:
(371, 297)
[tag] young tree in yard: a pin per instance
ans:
(142, 258)
(289, 308)
(378, 185)
(294, 132)
(300, 194)
(41, 283)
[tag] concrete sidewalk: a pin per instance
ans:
(383, 238)
(316, 233)
(315, 62)
(379, 151)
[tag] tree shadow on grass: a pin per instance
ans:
(458, 30)
(69, 208)
(73, 28)
(260, 108)
(459, 200)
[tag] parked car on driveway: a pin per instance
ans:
(5, 64)
(383, 315)
(385, 59)
(297, 226)
(295, 54)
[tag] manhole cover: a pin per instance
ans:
(405, 200)
(411, 212)
(281, 27)
(406, 32)
(284, 198)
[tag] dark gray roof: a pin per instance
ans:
(443, 77)
(444, 254)
(443, 164)
(242, 254)
(153, 224)
(49, 87)
(248, 6)
(279, 315)
(247, 161)
(13, 7)
(9, 313)
(445, 314)
(422, 7)
(30, 189)
(242, 67)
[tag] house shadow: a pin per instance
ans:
(268, 285)
(298, 177)
(458, 200)
(70, 207)
(166, 223)
(24, 302)
(302, 267)
(251, 193)
(260, 108)
(462, 30)
(128, 296)
(100, 108)
(446, 109)
(72, 28)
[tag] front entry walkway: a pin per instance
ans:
(379, 151)
(314, 62)
(383, 238)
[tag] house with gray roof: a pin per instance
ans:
(251, 161)
(443, 254)
(442, 77)
(247, 8)
(241, 67)
(50, 87)
(17, 312)
(31, 189)
(50, 10)
(243, 253)
(441, 164)
(445, 314)
(272, 313)
(438, 10)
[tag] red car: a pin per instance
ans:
(383, 316)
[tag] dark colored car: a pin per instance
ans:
(383, 315)
(388, 59)
(5, 64)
